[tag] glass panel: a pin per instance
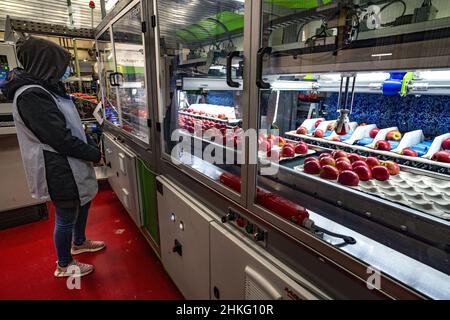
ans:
(107, 68)
(359, 120)
(196, 38)
(130, 80)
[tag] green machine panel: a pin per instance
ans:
(147, 196)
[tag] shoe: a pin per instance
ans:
(74, 269)
(88, 246)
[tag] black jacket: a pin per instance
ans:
(44, 64)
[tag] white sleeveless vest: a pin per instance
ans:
(33, 156)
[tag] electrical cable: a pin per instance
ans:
(389, 4)
(302, 26)
(347, 239)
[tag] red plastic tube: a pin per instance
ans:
(282, 206)
(232, 181)
(275, 203)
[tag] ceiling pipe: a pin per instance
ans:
(69, 8)
(103, 8)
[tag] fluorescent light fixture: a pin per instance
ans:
(109, 4)
(378, 55)
(360, 76)
(292, 85)
(434, 75)
(372, 76)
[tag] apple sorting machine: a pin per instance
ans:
(350, 102)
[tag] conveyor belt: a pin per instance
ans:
(421, 192)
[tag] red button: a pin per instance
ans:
(240, 222)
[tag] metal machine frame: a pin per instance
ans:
(146, 151)
(334, 270)
(234, 196)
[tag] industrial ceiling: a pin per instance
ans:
(50, 11)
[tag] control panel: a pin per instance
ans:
(246, 226)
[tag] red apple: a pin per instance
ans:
(325, 154)
(364, 173)
(359, 163)
(280, 141)
(309, 159)
(327, 161)
(329, 172)
(331, 125)
(373, 133)
(409, 152)
(302, 130)
(336, 138)
(265, 145)
(288, 150)
(301, 148)
(354, 157)
(392, 167)
(383, 145)
(317, 123)
(442, 156)
(348, 178)
(343, 165)
(238, 141)
(372, 162)
(319, 133)
(446, 144)
(261, 135)
(343, 159)
(230, 140)
(394, 135)
(339, 154)
(312, 167)
(289, 145)
(273, 154)
(380, 173)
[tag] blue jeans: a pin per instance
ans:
(70, 225)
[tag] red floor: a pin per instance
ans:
(127, 269)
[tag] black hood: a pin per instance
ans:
(43, 59)
(18, 78)
(44, 63)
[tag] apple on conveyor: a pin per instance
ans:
(301, 148)
(302, 130)
(348, 178)
(392, 167)
(409, 152)
(380, 173)
(364, 173)
(442, 156)
(372, 162)
(324, 161)
(342, 165)
(354, 157)
(312, 167)
(383, 145)
(329, 172)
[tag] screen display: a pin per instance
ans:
(4, 68)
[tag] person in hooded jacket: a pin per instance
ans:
(57, 155)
